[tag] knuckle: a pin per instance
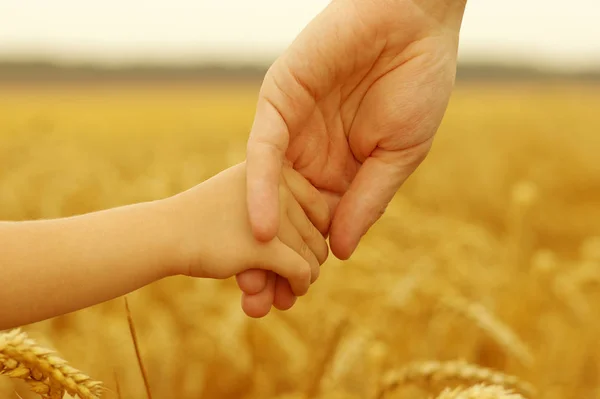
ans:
(305, 251)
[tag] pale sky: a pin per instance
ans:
(551, 32)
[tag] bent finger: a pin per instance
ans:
(310, 199)
(259, 305)
(252, 281)
(290, 236)
(308, 232)
(283, 260)
(284, 297)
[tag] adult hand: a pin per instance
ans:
(353, 104)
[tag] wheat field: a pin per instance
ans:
(481, 280)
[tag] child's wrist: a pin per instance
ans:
(168, 238)
(185, 243)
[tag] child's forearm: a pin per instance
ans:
(52, 267)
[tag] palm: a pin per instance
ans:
(385, 110)
(320, 151)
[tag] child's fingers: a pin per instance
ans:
(309, 233)
(280, 295)
(259, 305)
(290, 236)
(283, 260)
(252, 281)
(284, 297)
(310, 199)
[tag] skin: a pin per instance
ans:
(52, 267)
(353, 104)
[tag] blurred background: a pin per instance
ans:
(109, 103)
(246, 32)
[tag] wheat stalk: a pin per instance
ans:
(430, 373)
(47, 374)
(502, 334)
(137, 349)
(479, 391)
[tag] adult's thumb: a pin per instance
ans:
(367, 198)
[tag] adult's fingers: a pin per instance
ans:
(259, 305)
(310, 199)
(374, 186)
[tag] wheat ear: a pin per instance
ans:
(430, 373)
(47, 374)
(479, 391)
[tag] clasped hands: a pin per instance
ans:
(353, 106)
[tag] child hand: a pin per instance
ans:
(262, 290)
(216, 241)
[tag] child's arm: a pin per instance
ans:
(52, 267)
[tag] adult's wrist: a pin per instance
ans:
(448, 13)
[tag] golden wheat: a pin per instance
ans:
(502, 212)
(46, 373)
(433, 373)
(479, 392)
